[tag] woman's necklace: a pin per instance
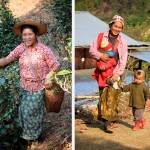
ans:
(32, 47)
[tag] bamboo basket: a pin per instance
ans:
(54, 99)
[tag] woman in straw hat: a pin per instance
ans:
(108, 103)
(35, 60)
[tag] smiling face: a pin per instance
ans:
(116, 28)
(29, 37)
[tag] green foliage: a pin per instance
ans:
(9, 81)
(9, 94)
(61, 28)
(8, 40)
(62, 16)
(135, 13)
(64, 77)
(58, 37)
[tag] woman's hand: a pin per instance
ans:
(114, 77)
(48, 83)
(104, 57)
(3, 62)
(48, 80)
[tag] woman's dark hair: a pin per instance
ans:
(110, 25)
(33, 28)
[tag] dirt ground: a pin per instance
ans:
(56, 133)
(89, 134)
(57, 129)
(31, 9)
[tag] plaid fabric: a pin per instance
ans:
(31, 114)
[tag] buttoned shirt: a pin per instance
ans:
(43, 61)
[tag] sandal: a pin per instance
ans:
(115, 125)
(108, 129)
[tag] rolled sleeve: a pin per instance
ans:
(93, 50)
(51, 59)
(14, 55)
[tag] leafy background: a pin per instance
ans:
(136, 14)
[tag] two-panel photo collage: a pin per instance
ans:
(74, 75)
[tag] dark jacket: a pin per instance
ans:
(139, 93)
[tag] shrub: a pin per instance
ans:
(58, 37)
(9, 94)
(9, 81)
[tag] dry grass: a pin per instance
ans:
(31, 9)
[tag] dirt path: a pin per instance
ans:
(90, 135)
(31, 9)
(57, 129)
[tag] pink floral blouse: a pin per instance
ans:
(43, 60)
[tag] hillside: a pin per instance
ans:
(33, 9)
(56, 126)
(135, 13)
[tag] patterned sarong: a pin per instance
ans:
(108, 104)
(31, 114)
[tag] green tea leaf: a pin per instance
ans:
(2, 81)
(1, 100)
(63, 72)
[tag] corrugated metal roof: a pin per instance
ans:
(145, 56)
(86, 85)
(87, 27)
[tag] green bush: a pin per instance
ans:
(9, 81)
(135, 14)
(8, 40)
(9, 94)
(61, 29)
(58, 37)
(64, 77)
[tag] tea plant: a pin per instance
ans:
(9, 81)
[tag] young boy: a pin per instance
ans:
(139, 94)
(106, 68)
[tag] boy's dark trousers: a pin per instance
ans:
(138, 119)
